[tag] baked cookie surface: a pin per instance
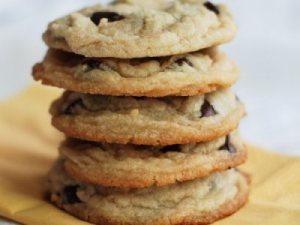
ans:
(135, 166)
(147, 121)
(181, 75)
(134, 29)
(201, 201)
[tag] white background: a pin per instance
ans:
(266, 48)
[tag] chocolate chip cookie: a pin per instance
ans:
(134, 28)
(136, 166)
(182, 75)
(147, 121)
(200, 201)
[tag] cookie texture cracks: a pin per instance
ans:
(135, 166)
(179, 75)
(147, 121)
(201, 201)
(131, 29)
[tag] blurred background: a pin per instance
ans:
(266, 48)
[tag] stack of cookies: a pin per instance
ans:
(149, 119)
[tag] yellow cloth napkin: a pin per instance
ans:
(28, 146)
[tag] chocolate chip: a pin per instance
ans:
(228, 145)
(237, 98)
(92, 63)
(170, 148)
(110, 16)
(183, 60)
(70, 196)
(207, 109)
(210, 6)
(70, 109)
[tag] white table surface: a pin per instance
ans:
(267, 50)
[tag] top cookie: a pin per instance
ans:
(133, 29)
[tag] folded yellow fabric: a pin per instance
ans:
(28, 146)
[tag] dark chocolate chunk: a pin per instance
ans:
(170, 148)
(92, 63)
(183, 60)
(110, 16)
(212, 7)
(69, 194)
(207, 109)
(228, 145)
(70, 109)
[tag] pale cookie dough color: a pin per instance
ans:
(147, 121)
(135, 166)
(134, 28)
(201, 201)
(181, 75)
